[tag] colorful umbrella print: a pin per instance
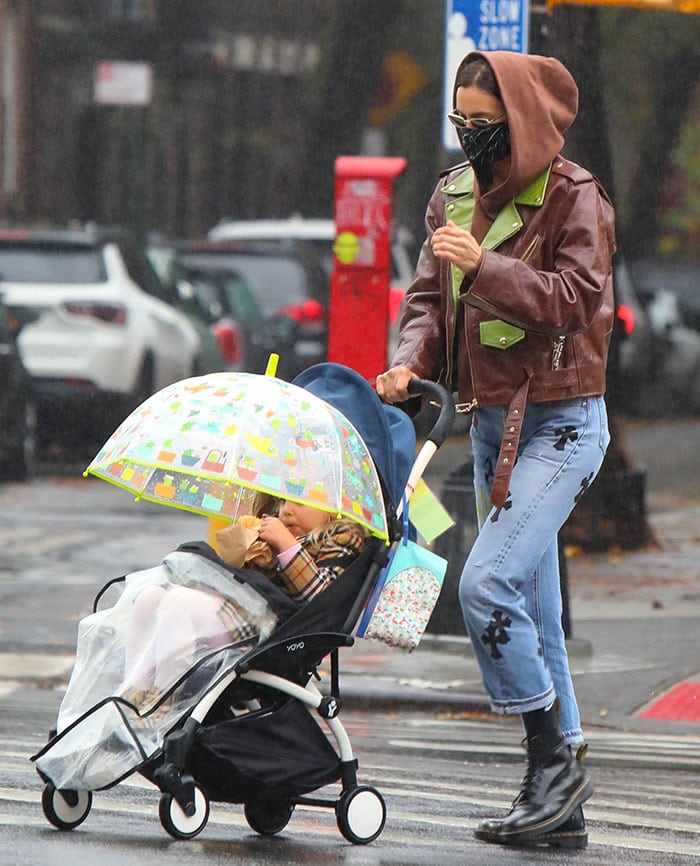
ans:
(202, 443)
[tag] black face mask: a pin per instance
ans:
(485, 146)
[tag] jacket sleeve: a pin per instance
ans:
(564, 296)
(421, 345)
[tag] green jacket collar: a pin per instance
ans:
(508, 221)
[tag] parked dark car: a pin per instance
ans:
(290, 286)
(670, 292)
(321, 233)
(16, 403)
(246, 337)
(629, 358)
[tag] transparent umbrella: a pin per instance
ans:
(202, 444)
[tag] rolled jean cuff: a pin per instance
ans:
(517, 708)
(573, 738)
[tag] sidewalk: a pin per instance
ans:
(634, 651)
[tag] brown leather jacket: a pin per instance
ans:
(551, 277)
(540, 308)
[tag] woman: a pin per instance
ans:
(512, 306)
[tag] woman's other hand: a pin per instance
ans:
(392, 386)
(457, 246)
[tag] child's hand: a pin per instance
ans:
(276, 534)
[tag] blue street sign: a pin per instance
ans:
(480, 25)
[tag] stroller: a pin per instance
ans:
(252, 731)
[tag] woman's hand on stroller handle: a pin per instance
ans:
(399, 383)
(440, 397)
(392, 386)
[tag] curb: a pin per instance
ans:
(35, 666)
(363, 694)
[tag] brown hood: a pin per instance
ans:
(541, 101)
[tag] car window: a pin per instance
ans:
(241, 302)
(143, 273)
(208, 295)
(51, 263)
(226, 295)
(275, 280)
(324, 249)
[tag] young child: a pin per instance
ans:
(311, 548)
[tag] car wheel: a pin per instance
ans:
(694, 392)
(17, 460)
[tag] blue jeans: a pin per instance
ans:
(509, 589)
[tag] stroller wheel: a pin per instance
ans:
(176, 822)
(361, 814)
(65, 809)
(268, 817)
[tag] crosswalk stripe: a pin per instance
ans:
(425, 809)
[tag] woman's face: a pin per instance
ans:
(475, 103)
(300, 519)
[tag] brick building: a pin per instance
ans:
(162, 114)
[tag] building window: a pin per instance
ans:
(138, 11)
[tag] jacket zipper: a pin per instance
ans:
(449, 331)
(557, 349)
(466, 408)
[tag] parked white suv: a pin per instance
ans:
(105, 337)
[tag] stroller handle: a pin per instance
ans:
(439, 395)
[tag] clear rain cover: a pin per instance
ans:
(144, 661)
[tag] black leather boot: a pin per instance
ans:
(547, 810)
(571, 834)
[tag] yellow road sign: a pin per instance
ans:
(688, 6)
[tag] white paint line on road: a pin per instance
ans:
(22, 666)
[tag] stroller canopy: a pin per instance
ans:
(387, 431)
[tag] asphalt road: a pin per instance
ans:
(438, 776)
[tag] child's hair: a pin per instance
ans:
(264, 503)
(319, 535)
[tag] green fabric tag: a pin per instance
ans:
(499, 334)
(427, 513)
